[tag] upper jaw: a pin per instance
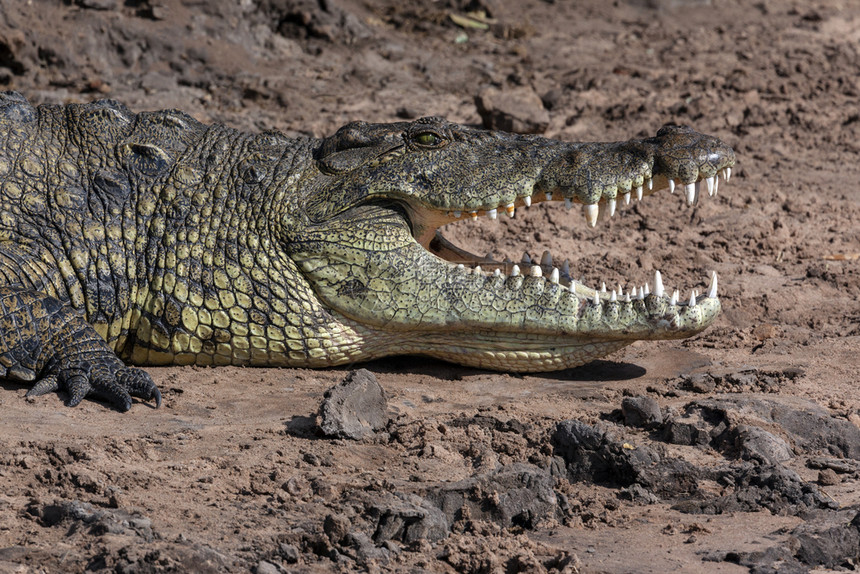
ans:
(600, 177)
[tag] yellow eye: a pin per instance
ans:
(427, 139)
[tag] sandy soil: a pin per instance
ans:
(751, 464)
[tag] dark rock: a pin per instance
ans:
(289, 553)
(266, 567)
(773, 560)
(828, 545)
(638, 494)
(755, 443)
(751, 487)
(813, 428)
(518, 494)
(300, 19)
(641, 412)
(518, 110)
(838, 465)
(553, 98)
(98, 4)
(828, 477)
(686, 432)
(407, 518)
(700, 383)
(594, 454)
(366, 551)
(355, 408)
(809, 426)
(336, 527)
(98, 521)
(830, 542)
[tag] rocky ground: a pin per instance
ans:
(735, 451)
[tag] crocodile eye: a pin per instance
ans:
(427, 139)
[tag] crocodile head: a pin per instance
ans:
(368, 241)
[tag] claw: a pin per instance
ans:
(78, 388)
(49, 384)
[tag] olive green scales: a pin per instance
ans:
(154, 239)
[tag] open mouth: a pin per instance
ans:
(558, 272)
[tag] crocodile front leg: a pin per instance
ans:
(44, 340)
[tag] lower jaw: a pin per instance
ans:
(553, 358)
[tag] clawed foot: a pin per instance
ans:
(116, 384)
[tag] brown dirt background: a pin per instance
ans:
(229, 475)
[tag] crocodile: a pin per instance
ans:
(137, 239)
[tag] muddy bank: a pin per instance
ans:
(733, 451)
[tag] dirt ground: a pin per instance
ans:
(735, 451)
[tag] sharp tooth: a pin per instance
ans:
(568, 203)
(546, 259)
(647, 289)
(474, 215)
(492, 214)
(671, 185)
(457, 214)
(515, 271)
(478, 270)
(553, 277)
(591, 212)
(596, 298)
(712, 288)
(716, 185)
(673, 300)
(693, 299)
(603, 287)
(460, 267)
(536, 271)
(691, 193)
(510, 209)
(612, 204)
(640, 192)
(497, 272)
(526, 259)
(658, 284)
(565, 268)
(641, 293)
(627, 298)
(572, 286)
(620, 290)
(527, 201)
(709, 182)
(549, 196)
(626, 197)
(650, 184)
(727, 174)
(613, 297)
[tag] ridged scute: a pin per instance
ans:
(15, 108)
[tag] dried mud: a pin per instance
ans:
(735, 451)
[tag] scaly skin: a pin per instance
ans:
(154, 239)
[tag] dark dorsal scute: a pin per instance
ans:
(146, 159)
(357, 143)
(15, 107)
